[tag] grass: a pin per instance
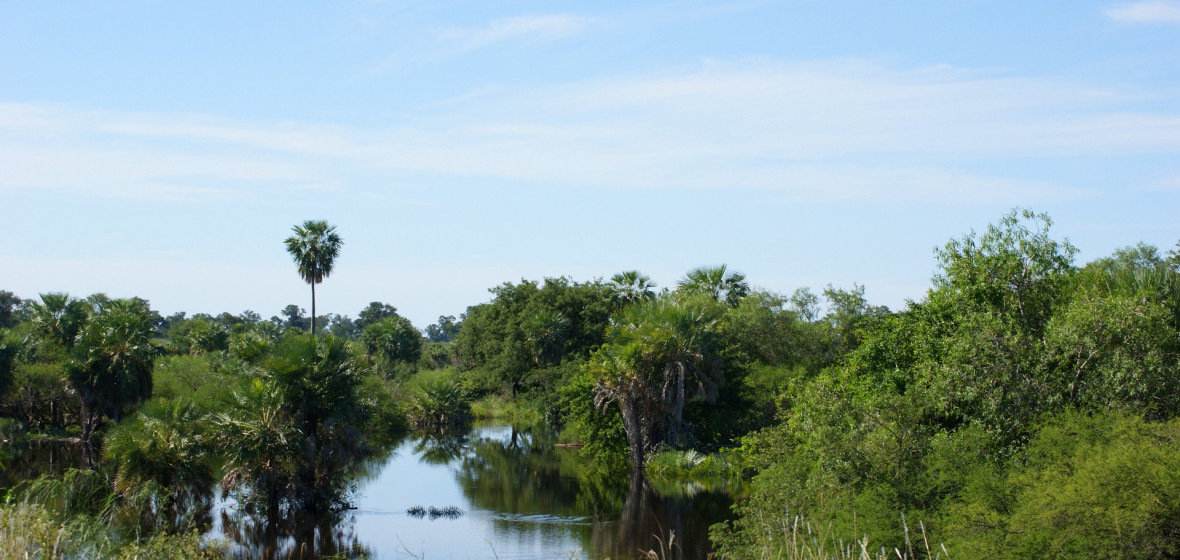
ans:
(796, 539)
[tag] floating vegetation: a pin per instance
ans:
(450, 512)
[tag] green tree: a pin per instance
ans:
(164, 447)
(631, 286)
(715, 282)
(9, 305)
(58, 318)
(393, 339)
(314, 247)
(528, 326)
(293, 436)
(113, 364)
(374, 312)
(659, 354)
(444, 330)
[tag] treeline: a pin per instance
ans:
(1025, 407)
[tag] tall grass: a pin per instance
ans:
(795, 538)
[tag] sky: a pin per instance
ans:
(165, 149)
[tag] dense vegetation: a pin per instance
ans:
(1025, 407)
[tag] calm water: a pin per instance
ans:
(521, 499)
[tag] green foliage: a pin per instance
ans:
(631, 286)
(198, 336)
(374, 312)
(187, 546)
(28, 530)
(39, 396)
(392, 339)
(10, 305)
(387, 419)
(113, 363)
(660, 354)
(444, 330)
(939, 412)
(9, 347)
(715, 283)
(528, 326)
(438, 403)
(165, 446)
(292, 436)
(1106, 485)
(502, 409)
(601, 432)
(58, 318)
(251, 342)
(194, 378)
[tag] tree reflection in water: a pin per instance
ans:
(538, 490)
(528, 496)
(304, 537)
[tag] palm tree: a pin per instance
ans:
(713, 281)
(314, 247)
(113, 364)
(659, 354)
(630, 286)
(164, 448)
(59, 318)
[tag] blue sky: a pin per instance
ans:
(165, 149)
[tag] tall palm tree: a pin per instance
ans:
(713, 281)
(314, 247)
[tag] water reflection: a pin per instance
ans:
(303, 537)
(29, 459)
(537, 490)
(521, 498)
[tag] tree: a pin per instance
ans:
(314, 247)
(294, 434)
(164, 447)
(58, 318)
(527, 326)
(9, 303)
(659, 354)
(374, 312)
(444, 330)
(294, 315)
(113, 364)
(714, 282)
(630, 286)
(394, 339)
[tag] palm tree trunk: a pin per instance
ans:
(633, 426)
(313, 308)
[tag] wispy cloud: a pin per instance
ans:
(824, 130)
(543, 26)
(1155, 11)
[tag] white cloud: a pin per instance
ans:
(1156, 11)
(545, 26)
